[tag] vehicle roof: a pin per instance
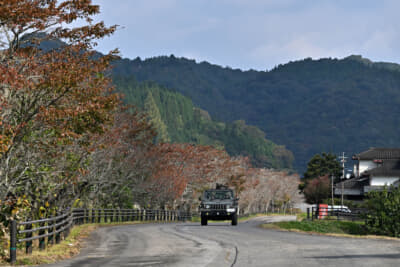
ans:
(219, 190)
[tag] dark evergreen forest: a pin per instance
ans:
(177, 120)
(310, 106)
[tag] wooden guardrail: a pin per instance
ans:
(53, 229)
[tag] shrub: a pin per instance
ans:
(383, 217)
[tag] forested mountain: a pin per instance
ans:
(309, 106)
(177, 120)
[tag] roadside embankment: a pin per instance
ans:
(324, 227)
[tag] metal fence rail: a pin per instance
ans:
(55, 228)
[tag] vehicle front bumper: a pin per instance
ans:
(217, 214)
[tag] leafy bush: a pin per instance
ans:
(383, 217)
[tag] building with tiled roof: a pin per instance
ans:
(374, 169)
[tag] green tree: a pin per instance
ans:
(177, 119)
(338, 119)
(155, 119)
(383, 216)
(324, 164)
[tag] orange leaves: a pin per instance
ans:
(20, 16)
(52, 101)
(7, 133)
(176, 166)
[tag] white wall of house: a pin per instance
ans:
(366, 165)
(381, 180)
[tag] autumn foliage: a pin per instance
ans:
(52, 101)
(66, 141)
(317, 189)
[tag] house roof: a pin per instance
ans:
(388, 167)
(378, 153)
(353, 183)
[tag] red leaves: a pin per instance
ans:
(52, 102)
(175, 167)
(317, 189)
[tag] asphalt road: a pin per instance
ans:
(220, 244)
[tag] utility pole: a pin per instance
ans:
(333, 203)
(342, 160)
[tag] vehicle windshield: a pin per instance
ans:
(211, 195)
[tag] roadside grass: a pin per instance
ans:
(342, 228)
(301, 216)
(66, 249)
(337, 227)
(196, 219)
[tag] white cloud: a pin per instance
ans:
(254, 33)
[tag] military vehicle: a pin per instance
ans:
(219, 204)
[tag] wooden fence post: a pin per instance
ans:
(42, 240)
(68, 227)
(58, 235)
(132, 215)
(93, 214)
(13, 241)
(28, 244)
(98, 216)
(50, 238)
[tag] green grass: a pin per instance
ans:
(301, 216)
(325, 227)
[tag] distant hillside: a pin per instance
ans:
(310, 105)
(178, 120)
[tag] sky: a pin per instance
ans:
(253, 34)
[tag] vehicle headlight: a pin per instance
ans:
(207, 206)
(230, 210)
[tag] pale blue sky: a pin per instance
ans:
(253, 34)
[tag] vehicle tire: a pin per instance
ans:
(234, 219)
(203, 220)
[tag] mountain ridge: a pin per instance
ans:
(309, 106)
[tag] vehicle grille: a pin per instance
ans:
(218, 206)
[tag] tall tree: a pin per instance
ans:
(324, 164)
(155, 119)
(317, 189)
(52, 101)
(120, 153)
